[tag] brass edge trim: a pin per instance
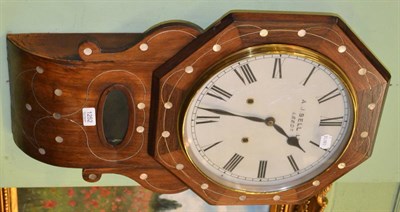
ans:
(9, 200)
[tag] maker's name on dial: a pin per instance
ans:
(297, 119)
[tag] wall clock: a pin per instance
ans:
(260, 108)
(270, 118)
(267, 108)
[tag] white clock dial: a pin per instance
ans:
(268, 121)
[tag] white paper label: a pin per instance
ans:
(325, 142)
(89, 116)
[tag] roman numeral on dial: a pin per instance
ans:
(246, 75)
(336, 121)
(233, 162)
(219, 93)
(262, 169)
(309, 75)
(206, 119)
(329, 96)
(277, 73)
(293, 163)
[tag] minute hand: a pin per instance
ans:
(223, 112)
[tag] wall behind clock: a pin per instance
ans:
(376, 23)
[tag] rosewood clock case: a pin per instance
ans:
(63, 86)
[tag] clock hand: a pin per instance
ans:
(291, 140)
(294, 141)
(223, 112)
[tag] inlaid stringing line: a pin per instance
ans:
(161, 189)
(168, 31)
(144, 116)
(163, 86)
(30, 138)
(250, 33)
(368, 141)
(212, 191)
(306, 189)
(169, 151)
(323, 38)
(380, 97)
(232, 28)
(282, 30)
(34, 95)
(101, 158)
(164, 119)
(201, 56)
(34, 129)
(173, 89)
(190, 178)
(22, 72)
(334, 31)
(159, 154)
(235, 27)
(286, 195)
(369, 84)
(354, 59)
(208, 197)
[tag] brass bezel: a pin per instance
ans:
(266, 49)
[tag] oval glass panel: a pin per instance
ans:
(115, 117)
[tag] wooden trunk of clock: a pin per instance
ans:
(53, 81)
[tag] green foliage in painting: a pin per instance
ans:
(162, 204)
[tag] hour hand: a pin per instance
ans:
(226, 113)
(291, 140)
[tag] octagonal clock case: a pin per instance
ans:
(260, 108)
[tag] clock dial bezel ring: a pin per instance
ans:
(268, 49)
